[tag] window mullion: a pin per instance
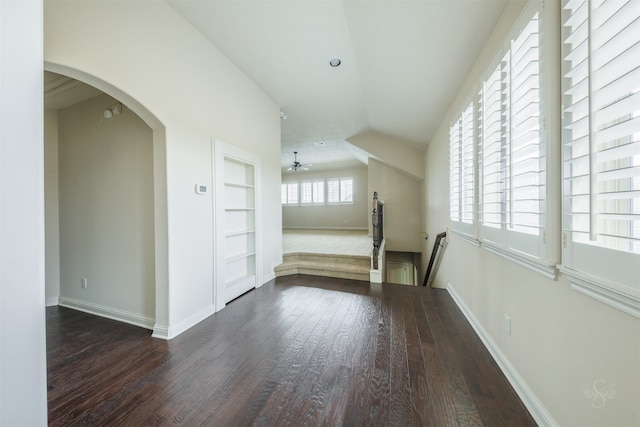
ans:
(593, 200)
(509, 147)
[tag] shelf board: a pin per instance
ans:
(238, 233)
(238, 185)
(238, 257)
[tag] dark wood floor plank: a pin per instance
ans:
(214, 381)
(379, 384)
(300, 350)
(439, 393)
(400, 403)
(421, 402)
(487, 395)
(291, 350)
(290, 393)
(466, 411)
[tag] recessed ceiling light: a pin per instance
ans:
(335, 62)
(319, 144)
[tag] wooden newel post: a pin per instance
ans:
(375, 220)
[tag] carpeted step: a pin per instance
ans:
(327, 265)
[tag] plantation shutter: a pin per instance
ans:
(512, 146)
(462, 181)
(601, 145)
(467, 141)
(526, 152)
(492, 151)
(318, 192)
(333, 191)
(306, 194)
(346, 190)
(455, 173)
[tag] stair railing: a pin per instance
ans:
(378, 229)
(436, 256)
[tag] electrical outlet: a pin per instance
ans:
(507, 324)
(84, 283)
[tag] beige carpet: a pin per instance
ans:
(338, 242)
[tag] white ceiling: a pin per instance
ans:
(402, 63)
(62, 91)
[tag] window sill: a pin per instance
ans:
(619, 297)
(466, 237)
(547, 271)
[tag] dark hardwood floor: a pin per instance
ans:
(300, 350)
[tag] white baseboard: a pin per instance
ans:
(375, 276)
(108, 312)
(160, 332)
(51, 302)
(528, 397)
(169, 332)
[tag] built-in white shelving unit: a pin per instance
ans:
(237, 176)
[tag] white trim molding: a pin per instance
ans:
(465, 237)
(52, 302)
(526, 394)
(108, 312)
(627, 300)
(160, 332)
(170, 332)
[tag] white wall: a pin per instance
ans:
(23, 378)
(348, 216)
(561, 340)
(51, 209)
(402, 197)
(150, 54)
(391, 151)
(106, 211)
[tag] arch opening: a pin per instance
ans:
(159, 193)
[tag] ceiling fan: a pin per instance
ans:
(296, 165)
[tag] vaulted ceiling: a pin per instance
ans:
(402, 63)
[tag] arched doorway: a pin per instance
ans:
(157, 199)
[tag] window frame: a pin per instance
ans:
(314, 191)
(524, 247)
(462, 179)
(284, 193)
(340, 200)
(537, 252)
(593, 266)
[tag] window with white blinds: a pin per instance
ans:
(312, 192)
(340, 190)
(512, 145)
(289, 193)
(601, 149)
(346, 190)
(493, 134)
(462, 182)
(455, 172)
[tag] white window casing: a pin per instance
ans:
(514, 128)
(462, 174)
(289, 193)
(601, 150)
(340, 190)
